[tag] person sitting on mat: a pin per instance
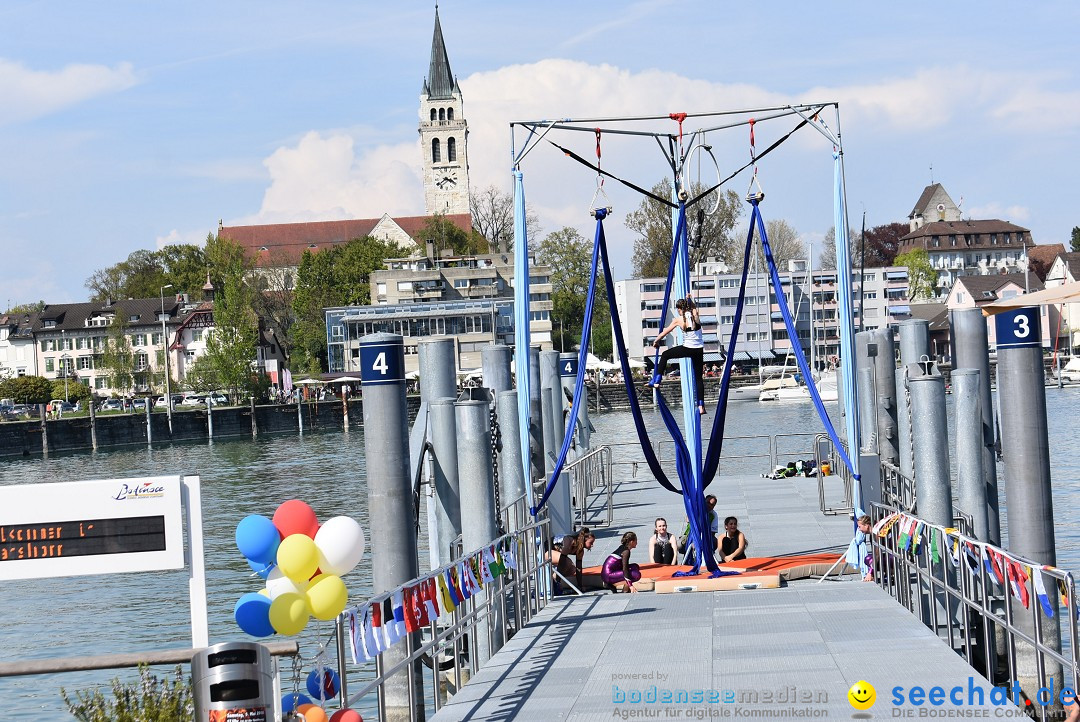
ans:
(733, 544)
(661, 543)
(617, 568)
(563, 560)
(693, 347)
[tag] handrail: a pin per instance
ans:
(963, 603)
(837, 468)
(517, 596)
(588, 474)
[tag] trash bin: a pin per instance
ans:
(233, 682)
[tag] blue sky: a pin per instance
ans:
(127, 125)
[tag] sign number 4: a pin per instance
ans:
(380, 363)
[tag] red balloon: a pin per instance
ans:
(346, 715)
(295, 517)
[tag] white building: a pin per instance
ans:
(17, 354)
(1066, 269)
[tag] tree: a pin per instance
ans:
(230, 347)
(143, 273)
(652, 224)
(27, 389)
(448, 236)
(785, 242)
(921, 275)
(337, 276)
(570, 256)
(202, 377)
(24, 308)
(1074, 244)
(117, 356)
(274, 301)
(493, 218)
(72, 391)
(883, 243)
(828, 253)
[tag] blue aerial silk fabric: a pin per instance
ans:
(521, 328)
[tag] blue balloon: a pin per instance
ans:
(257, 538)
(252, 613)
(260, 568)
(327, 687)
(292, 700)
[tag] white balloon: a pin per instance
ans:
(278, 584)
(341, 545)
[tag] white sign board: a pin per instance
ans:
(91, 527)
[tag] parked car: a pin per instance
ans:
(22, 411)
(219, 399)
(159, 402)
(193, 400)
(111, 405)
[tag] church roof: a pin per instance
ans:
(284, 243)
(440, 83)
(921, 205)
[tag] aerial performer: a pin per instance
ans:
(693, 347)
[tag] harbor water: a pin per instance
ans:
(73, 616)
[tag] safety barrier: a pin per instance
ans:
(448, 647)
(897, 490)
(989, 605)
(825, 452)
(592, 488)
(771, 450)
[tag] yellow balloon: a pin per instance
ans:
(327, 597)
(298, 557)
(289, 613)
(312, 713)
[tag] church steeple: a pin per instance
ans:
(440, 83)
(444, 134)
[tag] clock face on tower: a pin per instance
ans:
(446, 179)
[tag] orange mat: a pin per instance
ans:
(789, 568)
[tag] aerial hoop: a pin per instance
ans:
(707, 149)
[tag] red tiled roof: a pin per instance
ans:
(286, 242)
(1042, 257)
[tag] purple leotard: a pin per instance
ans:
(613, 572)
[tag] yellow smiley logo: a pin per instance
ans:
(862, 695)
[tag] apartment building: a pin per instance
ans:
(17, 355)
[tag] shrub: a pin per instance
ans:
(149, 700)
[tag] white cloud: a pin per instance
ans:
(323, 178)
(996, 210)
(31, 93)
(177, 238)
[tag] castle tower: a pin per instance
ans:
(443, 135)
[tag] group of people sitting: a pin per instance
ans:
(618, 574)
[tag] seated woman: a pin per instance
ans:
(733, 543)
(661, 543)
(562, 559)
(617, 568)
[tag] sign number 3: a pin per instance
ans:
(1023, 326)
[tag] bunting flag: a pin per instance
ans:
(391, 626)
(356, 637)
(992, 566)
(448, 603)
(483, 563)
(1040, 592)
(377, 633)
(510, 555)
(498, 568)
(423, 618)
(901, 544)
(464, 589)
(412, 610)
(1018, 580)
(883, 525)
(431, 599)
(399, 613)
(451, 588)
(371, 645)
(935, 545)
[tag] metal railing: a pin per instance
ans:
(769, 449)
(961, 600)
(897, 490)
(592, 488)
(825, 452)
(449, 646)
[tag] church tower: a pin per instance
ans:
(443, 135)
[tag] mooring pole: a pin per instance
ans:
(1026, 449)
(568, 371)
(930, 432)
(885, 394)
(495, 361)
(914, 344)
(511, 475)
(148, 405)
(93, 424)
(971, 350)
(971, 488)
(390, 500)
(536, 419)
(478, 527)
(444, 443)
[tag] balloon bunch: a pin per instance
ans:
(323, 685)
(302, 563)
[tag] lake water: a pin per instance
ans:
(149, 611)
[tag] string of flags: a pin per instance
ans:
(381, 623)
(1013, 575)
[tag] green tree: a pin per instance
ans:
(74, 391)
(274, 297)
(337, 276)
(448, 236)
(712, 239)
(231, 345)
(27, 308)
(27, 389)
(1074, 244)
(202, 377)
(921, 275)
(570, 256)
(117, 356)
(143, 273)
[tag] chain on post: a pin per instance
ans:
(496, 447)
(297, 668)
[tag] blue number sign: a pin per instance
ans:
(382, 363)
(1019, 328)
(568, 367)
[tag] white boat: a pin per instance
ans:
(785, 388)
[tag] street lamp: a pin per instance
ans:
(64, 368)
(165, 353)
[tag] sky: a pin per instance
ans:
(129, 125)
